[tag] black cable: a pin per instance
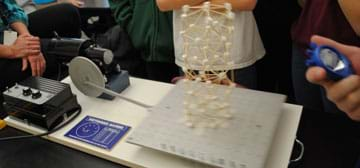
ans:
(49, 132)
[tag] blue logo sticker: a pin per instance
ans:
(98, 132)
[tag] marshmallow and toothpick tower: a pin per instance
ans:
(207, 41)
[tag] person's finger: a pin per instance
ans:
(75, 3)
(32, 43)
(33, 68)
(42, 64)
(43, 67)
(32, 38)
(38, 68)
(32, 52)
(341, 89)
(80, 3)
(24, 64)
(350, 102)
(34, 47)
(346, 50)
(355, 114)
(317, 75)
(351, 52)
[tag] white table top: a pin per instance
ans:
(151, 92)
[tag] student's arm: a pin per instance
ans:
(77, 3)
(20, 27)
(167, 5)
(351, 9)
(6, 52)
(25, 43)
(243, 5)
(16, 13)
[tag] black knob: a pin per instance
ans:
(27, 91)
(36, 94)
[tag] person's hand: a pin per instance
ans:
(351, 52)
(25, 45)
(37, 64)
(77, 3)
(346, 92)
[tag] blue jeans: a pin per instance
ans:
(311, 96)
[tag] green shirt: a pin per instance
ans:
(149, 29)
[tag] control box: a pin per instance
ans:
(40, 101)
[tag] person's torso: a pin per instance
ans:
(151, 31)
(246, 46)
(325, 18)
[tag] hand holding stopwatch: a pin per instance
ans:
(337, 66)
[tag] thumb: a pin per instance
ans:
(24, 64)
(317, 75)
(344, 49)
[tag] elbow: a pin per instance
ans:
(355, 24)
(357, 29)
(253, 5)
(246, 5)
(163, 5)
(250, 5)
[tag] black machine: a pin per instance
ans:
(46, 102)
(40, 101)
(65, 49)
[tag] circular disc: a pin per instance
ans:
(83, 70)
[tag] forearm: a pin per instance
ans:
(20, 28)
(5, 51)
(54, 2)
(42, 6)
(351, 10)
(167, 5)
(243, 5)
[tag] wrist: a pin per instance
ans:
(6, 52)
(11, 52)
(24, 33)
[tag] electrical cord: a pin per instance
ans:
(49, 132)
(302, 149)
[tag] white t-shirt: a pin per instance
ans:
(247, 46)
